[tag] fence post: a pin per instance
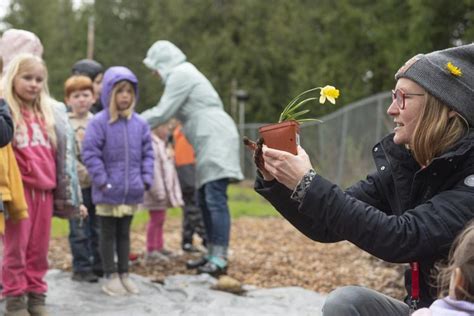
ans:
(342, 150)
(90, 37)
(379, 119)
(242, 96)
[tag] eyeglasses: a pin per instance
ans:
(399, 96)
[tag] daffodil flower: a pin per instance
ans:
(289, 113)
(330, 93)
(456, 71)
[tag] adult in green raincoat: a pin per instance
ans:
(191, 98)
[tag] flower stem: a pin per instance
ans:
(291, 105)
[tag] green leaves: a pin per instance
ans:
(289, 112)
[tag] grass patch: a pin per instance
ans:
(243, 201)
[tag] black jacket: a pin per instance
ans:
(6, 124)
(400, 213)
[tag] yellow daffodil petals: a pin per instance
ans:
(329, 92)
(456, 71)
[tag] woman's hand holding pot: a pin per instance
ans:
(287, 168)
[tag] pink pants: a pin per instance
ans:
(154, 230)
(1, 259)
(25, 260)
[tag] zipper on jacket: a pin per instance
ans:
(125, 130)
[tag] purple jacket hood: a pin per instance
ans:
(111, 77)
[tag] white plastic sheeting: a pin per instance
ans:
(179, 295)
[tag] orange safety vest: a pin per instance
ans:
(183, 151)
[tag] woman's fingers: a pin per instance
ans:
(273, 157)
(287, 168)
(274, 153)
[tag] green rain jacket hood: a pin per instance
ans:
(163, 56)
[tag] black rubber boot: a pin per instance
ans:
(196, 263)
(212, 269)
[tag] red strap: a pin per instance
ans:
(415, 281)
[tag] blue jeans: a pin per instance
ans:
(215, 211)
(84, 239)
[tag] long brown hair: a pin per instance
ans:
(461, 256)
(436, 131)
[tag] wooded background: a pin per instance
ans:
(272, 49)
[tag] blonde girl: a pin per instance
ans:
(34, 143)
(456, 280)
(118, 155)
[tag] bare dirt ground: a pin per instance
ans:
(268, 252)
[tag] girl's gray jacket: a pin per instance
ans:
(190, 97)
(400, 213)
(67, 194)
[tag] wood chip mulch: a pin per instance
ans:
(268, 252)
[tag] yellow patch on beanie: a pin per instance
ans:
(456, 71)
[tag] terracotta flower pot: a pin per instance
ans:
(283, 136)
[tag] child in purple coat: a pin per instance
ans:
(456, 281)
(118, 154)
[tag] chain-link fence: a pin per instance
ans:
(340, 147)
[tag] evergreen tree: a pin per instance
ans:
(273, 49)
